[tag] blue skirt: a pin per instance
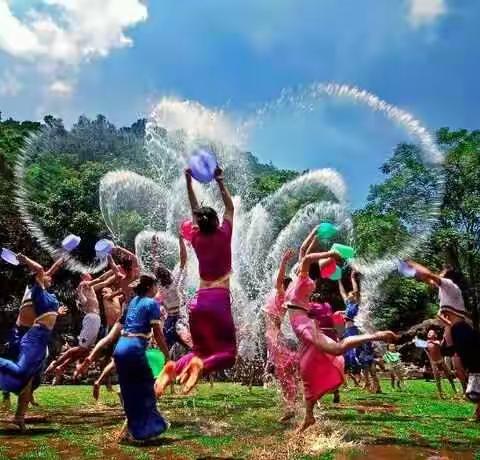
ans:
(136, 385)
(16, 373)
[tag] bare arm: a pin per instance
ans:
(103, 276)
(106, 283)
(114, 268)
(183, 252)
(226, 197)
(30, 264)
(160, 339)
(354, 281)
(55, 267)
(424, 274)
(282, 270)
(317, 257)
(154, 252)
(192, 198)
(341, 288)
(306, 244)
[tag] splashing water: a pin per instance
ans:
(262, 231)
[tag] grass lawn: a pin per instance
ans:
(230, 422)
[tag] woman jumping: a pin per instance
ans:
(321, 360)
(21, 375)
(210, 315)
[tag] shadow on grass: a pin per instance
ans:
(463, 445)
(28, 432)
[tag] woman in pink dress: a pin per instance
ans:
(282, 356)
(321, 360)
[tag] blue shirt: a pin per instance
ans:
(43, 301)
(351, 310)
(139, 315)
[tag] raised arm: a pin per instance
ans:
(31, 264)
(182, 249)
(341, 288)
(321, 257)
(287, 256)
(192, 198)
(226, 197)
(114, 268)
(154, 252)
(424, 274)
(102, 277)
(353, 279)
(306, 244)
(97, 286)
(55, 267)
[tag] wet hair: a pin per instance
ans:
(286, 282)
(314, 271)
(143, 284)
(455, 276)
(163, 275)
(207, 219)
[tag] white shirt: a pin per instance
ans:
(450, 295)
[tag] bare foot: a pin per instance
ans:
(308, 422)
(51, 367)
(189, 377)
(58, 378)
(20, 422)
(287, 416)
(166, 377)
(96, 391)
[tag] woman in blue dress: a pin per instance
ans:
(17, 376)
(140, 318)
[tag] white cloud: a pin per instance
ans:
(9, 84)
(61, 88)
(424, 12)
(63, 34)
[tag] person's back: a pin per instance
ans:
(214, 252)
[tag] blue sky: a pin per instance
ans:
(422, 55)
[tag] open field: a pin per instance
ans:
(230, 422)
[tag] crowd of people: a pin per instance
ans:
(144, 310)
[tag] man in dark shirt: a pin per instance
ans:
(462, 339)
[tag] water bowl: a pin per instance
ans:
(186, 230)
(405, 269)
(328, 269)
(337, 274)
(203, 164)
(9, 257)
(71, 242)
(103, 248)
(326, 230)
(347, 252)
(156, 361)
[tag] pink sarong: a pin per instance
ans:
(212, 330)
(321, 373)
(284, 360)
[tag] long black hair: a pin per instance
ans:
(143, 284)
(207, 219)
